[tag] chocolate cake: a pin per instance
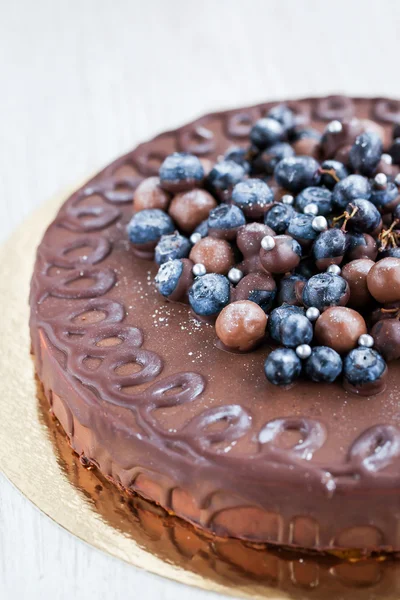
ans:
(212, 317)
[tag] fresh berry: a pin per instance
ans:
(149, 225)
(307, 268)
(330, 247)
(238, 155)
(365, 217)
(168, 277)
(295, 330)
(351, 188)
(224, 176)
(209, 294)
(394, 151)
(384, 198)
(225, 219)
(332, 171)
(390, 252)
(284, 115)
(282, 366)
(315, 195)
(324, 290)
(287, 288)
(267, 160)
(361, 245)
(362, 366)
(296, 173)
(324, 365)
(171, 246)
(202, 229)
(266, 132)
(278, 217)
(257, 287)
(396, 212)
(278, 315)
(366, 152)
(301, 228)
(252, 196)
(181, 171)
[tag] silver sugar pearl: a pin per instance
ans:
(334, 127)
(287, 199)
(312, 313)
(386, 158)
(380, 180)
(199, 270)
(194, 238)
(303, 351)
(334, 269)
(235, 275)
(268, 242)
(311, 209)
(366, 340)
(319, 224)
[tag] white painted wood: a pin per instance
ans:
(82, 81)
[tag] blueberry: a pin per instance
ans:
(284, 115)
(296, 173)
(394, 151)
(307, 268)
(224, 176)
(278, 217)
(252, 193)
(363, 365)
(390, 252)
(238, 155)
(267, 160)
(361, 245)
(324, 364)
(305, 133)
(383, 197)
(266, 132)
(168, 277)
(225, 217)
(324, 290)
(278, 315)
(294, 330)
(172, 246)
(202, 229)
(366, 216)
(350, 188)
(396, 212)
(300, 227)
(180, 171)
(316, 195)
(282, 366)
(209, 294)
(287, 288)
(329, 244)
(149, 225)
(366, 152)
(332, 171)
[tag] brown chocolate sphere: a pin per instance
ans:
(343, 155)
(149, 194)
(241, 325)
(189, 209)
(386, 334)
(334, 140)
(384, 280)
(284, 257)
(249, 238)
(216, 255)
(339, 328)
(368, 248)
(307, 147)
(355, 273)
(259, 287)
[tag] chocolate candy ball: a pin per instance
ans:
(355, 273)
(241, 325)
(259, 287)
(149, 194)
(339, 328)
(361, 245)
(307, 147)
(386, 334)
(189, 209)
(249, 238)
(383, 280)
(284, 257)
(216, 255)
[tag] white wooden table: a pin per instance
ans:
(82, 81)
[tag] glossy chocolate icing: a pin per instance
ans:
(144, 393)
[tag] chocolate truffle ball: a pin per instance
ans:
(189, 209)
(383, 280)
(339, 328)
(215, 254)
(149, 194)
(259, 287)
(386, 334)
(307, 147)
(283, 257)
(361, 245)
(355, 273)
(249, 238)
(241, 325)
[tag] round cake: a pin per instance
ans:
(213, 316)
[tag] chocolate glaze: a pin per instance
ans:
(143, 392)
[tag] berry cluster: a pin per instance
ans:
(294, 239)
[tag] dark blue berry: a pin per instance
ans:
(225, 217)
(383, 197)
(267, 160)
(287, 289)
(252, 193)
(278, 217)
(224, 176)
(332, 171)
(264, 298)
(366, 152)
(282, 366)
(278, 315)
(209, 294)
(324, 290)
(396, 212)
(168, 277)
(238, 155)
(294, 330)
(305, 133)
(350, 188)
(324, 365)
(202, 229)
(181, 170)
(316, 195)
(361, 245)
(390, 252)
(329, 244)
(307, 268)
(284, 115)
(301, 229)
(266, 132)
(363, 365)
(366, 216)
(172, 246)
(394, 151)
(296, 173)
(149, 225)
